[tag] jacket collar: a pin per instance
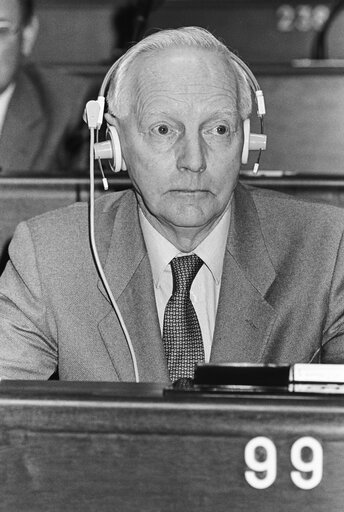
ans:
(128, 270)
(246, 242)
(244, 317)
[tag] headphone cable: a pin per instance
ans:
(97, 260)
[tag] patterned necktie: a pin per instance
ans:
(182, 335)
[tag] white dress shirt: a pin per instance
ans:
(5, 99)
(205, 288)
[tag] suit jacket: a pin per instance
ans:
(43, 128)
(281, 297)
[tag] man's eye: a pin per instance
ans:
(222, 129)
(219, 129)
(162, 129)
(5, 30)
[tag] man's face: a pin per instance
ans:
(11, 43)
(182, 138)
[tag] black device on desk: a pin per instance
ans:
(229, 378)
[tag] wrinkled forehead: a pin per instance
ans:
(190, 74)
(10, 11)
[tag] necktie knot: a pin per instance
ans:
(184, 271)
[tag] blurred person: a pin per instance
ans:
(40, 110)
(203, 268)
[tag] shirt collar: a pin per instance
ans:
(211, 250)
(160, 250)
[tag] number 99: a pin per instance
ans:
(262, 473)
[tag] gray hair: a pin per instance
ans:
(192, 37)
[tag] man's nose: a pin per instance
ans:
(191, 154)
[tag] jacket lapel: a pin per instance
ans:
(129, 275)
(23, 128)
(244, 317)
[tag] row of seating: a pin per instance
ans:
(22, 198)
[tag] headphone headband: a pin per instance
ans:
(251, 79)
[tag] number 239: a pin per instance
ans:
(262, 473)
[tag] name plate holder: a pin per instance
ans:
(227, 378)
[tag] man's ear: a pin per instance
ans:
(29, 36)
(111, 119)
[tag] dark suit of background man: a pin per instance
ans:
(40, 110)
(271, 288)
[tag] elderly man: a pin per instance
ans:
(40, 110)
(201, 267)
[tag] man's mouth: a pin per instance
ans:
(189, 191)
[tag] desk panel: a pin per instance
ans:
(127, 447)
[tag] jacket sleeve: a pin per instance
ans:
(28, 348)
(333, 333)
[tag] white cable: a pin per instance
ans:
(97, 260)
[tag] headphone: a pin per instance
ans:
(110, 149)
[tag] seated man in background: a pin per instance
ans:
(202, 267)
(40, 110)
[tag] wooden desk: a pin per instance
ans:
(126, 447)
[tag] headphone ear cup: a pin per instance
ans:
(110, 149)
(116, 160)
(246, 145)
(124, 165)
